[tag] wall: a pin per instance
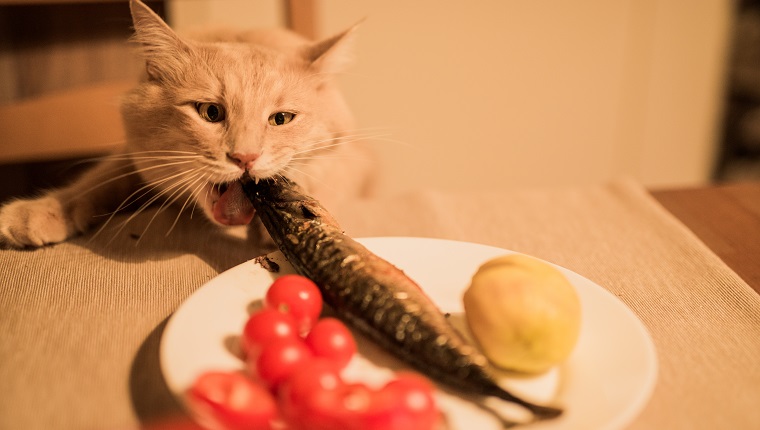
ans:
(495, 94)
(190, 14)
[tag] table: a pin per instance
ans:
(726, 218)
(81, 321)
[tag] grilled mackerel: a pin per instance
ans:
(372, 295)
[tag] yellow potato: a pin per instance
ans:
(524, 313)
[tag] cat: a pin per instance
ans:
(210, 109)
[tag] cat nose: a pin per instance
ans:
(244, 161)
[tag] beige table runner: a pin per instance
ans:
(81, 321)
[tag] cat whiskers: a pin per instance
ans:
(139, 194)
(158, 155)
(293, 169)
(321, 152)
(201, 181)
(175, 190)
(310, 149)
(162, 152)
(341, 139)
(183, 185)
(132, 198)
(133, 171)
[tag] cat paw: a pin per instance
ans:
(34, 223)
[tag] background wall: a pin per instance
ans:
(488, 93)
(189, 14)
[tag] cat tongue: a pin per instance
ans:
(233, 207)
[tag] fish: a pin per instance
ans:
(372, 295)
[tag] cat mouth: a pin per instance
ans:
(231, 206)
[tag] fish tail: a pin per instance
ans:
(539, 412)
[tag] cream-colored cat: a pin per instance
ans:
(212, 109)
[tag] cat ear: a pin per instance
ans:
(333, 54)
(163, 50)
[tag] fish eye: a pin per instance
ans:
(281, 118)
(211, 112)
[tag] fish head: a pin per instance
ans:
(288, 199)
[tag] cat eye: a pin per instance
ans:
(211, 112)
(281, 118)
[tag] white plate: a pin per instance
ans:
(604, 384)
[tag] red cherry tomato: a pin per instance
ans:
(263, 327)
(317, 375)
(412, 403)
(298, 296)
(309, 398)
(331, 339)
(354, 403)
(231, 401)
(315, 398)
(405, 403)
(279, 359)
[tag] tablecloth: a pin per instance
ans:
(81, 321)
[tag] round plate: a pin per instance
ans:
(604, 384)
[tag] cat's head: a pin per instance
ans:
(213, 110)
